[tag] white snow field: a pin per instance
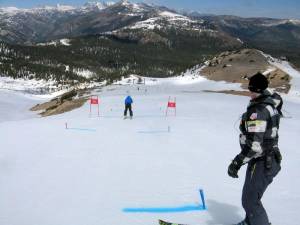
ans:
(15, 106)
(50, 175)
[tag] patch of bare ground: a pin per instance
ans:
(64, 103)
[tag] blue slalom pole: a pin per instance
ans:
(202, 198)
(179, 209)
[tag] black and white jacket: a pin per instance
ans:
(259, 126)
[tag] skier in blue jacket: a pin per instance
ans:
(128, 103)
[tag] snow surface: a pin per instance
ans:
(295, 74)
(294, 93)
(239, 40)
(84, 73)
(94, 4)
(280, 22)
(9, 10)
(15, 106)
(64, 7)
(46, 89)
(12, 11)
(65, 42)
(172, 19)
(150, 24)
(54, 176)
(25, 85)
(175, 16)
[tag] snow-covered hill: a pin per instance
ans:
(88, 173)
(295, 74)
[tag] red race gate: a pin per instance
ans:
(171, 105)
(94, 100)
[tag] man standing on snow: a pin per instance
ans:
(128, 103)
(259, 148)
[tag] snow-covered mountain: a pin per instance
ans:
(40, 23)
(47, 23)
(95, 5)
(259, 32)
(88, 6)
(96, 37)
(44, 24)
(114, 39)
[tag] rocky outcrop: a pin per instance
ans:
(239, 66)
(64, 103)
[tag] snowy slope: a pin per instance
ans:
(294, 92)
(16, 106)
(295, 74)
(24, 85)
(46, 89)
(54, 176)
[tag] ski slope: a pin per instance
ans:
(86, 176)
(15, 106)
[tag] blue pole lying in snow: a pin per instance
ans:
(79, 129)
(186, 208)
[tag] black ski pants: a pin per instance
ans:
(258, 178)
(128, 107)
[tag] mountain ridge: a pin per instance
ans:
(41, 24)
(110, 40)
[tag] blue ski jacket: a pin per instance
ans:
(128, 100)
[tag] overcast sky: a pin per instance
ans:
(246, 8)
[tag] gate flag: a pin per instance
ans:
(94, 100)
(171, 105)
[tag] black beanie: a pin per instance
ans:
(258, 83)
